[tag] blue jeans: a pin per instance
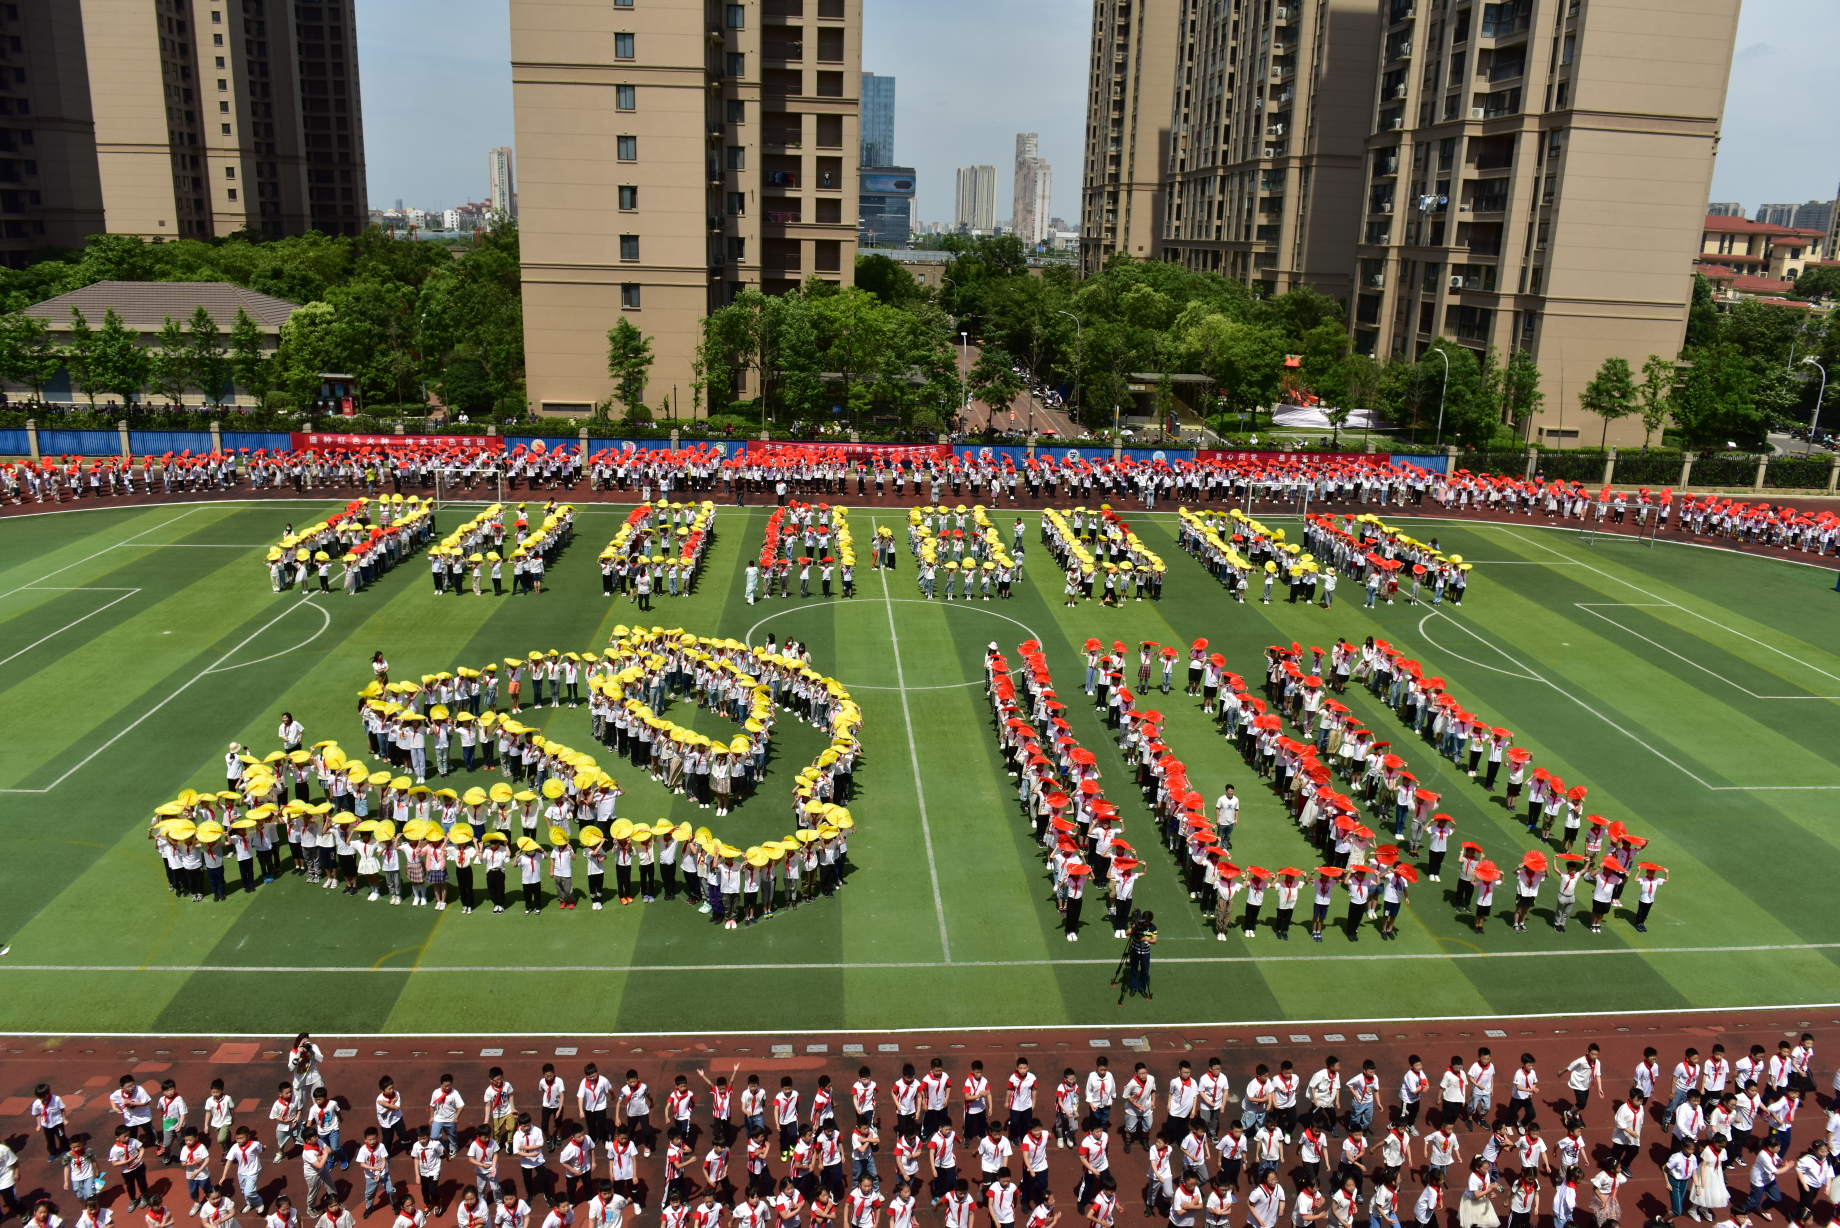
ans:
(1677, 1195)
(248, 1182)
(371, 1182)
(864, 1166)
(445, 1130)
(1360, 1115)
(1759, 1193)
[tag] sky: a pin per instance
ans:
(971, 74)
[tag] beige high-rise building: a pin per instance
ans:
(502, 181)
(976, 205)
(675, 153)
(178, 119)
(1031, 190)
(1537, 179)
(1129, 85)
(1264, 170)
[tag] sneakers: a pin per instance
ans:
(596, 906)
(373, 897)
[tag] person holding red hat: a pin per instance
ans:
(1572, 869)
(1486, 875)
(1648, 883)
(1607, 880)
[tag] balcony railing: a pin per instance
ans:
(788, 179)
(781, 217)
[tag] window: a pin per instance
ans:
(217, 17)
(217, 40)
(622, 46)
(223, 108)
(222, 84)
(629, 247)
(1571, 47)
(737, 249)
(232, 193)
(622, 4)
(737, 203)
(629, 295)
(626, 97)
(229, 172)
(737, 111)
(737, 64)
(629, 196)
(737, 158)
(628, 148)
(226, 128)
(737, 17)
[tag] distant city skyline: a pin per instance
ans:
(962, 100)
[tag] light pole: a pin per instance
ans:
(1819, 397)
(1442, 389)
(964, 381)
(1078, 333)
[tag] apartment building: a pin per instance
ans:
(675, 153)
(1537, 177)
(1743, 257)
(1265, 166)
(1031, 190)
(501, 180)
(178, 119)
(1129, 84)
(877, 120)
(975, 205)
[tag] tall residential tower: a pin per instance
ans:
(675, 153)
(1128, 89)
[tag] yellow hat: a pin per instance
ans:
(401, 782)
(620, 829)
(386, 829)
(558, 835)
(662, 827)
(526, 844)
(474, 796)
(681, 831)
(553, 788)
(500, 793)
(591, 837)
(524, 795)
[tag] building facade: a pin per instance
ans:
(1264, 171)
(675, 153)
(877, 120)
(1725, 208)
(885, 205)
(976, 205)
(1537, 176)
(1031, 190)
(1129, 83)
(1776, 215)
(174, 119)
(501, 180)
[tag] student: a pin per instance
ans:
(246, 1155)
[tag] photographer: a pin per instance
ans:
(1140, 936)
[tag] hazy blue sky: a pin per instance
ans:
(971, 74)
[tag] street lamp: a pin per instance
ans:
(1819, 397)
(1078, 332)
(964, 382)
(1442, 389)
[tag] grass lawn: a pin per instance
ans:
(1694, 691)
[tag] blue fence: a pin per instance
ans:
(1436, 464)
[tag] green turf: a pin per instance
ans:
(1689, 689)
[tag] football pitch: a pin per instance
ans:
(1694, 691)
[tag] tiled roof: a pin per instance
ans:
(144, 305)
(1720, 224)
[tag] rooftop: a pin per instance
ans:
(144, 305)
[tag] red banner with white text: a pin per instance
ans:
(319, 441)
(769, 452)
(1226, 456)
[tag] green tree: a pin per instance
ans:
(1715, 399)
(169, 366)
(121, 364)
(249, 366)
(1518, 391)
(205, 340)
(1361, 384)
(1469, 408)
(465, 385)
(1702, 315)
(39, 354)
(888, 281)
(1611, 394)
(80, 357)
(1653, 394)
(1818, 281)
(629, 362)
(994, 381)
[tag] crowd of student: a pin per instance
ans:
(1307, 1143)
(1384, 561)
(381, 826)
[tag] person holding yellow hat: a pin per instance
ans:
(562, 867)
(530, 861)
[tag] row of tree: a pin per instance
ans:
(406, 318)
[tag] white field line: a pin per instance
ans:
(116, 546)
(125, 594)
(1660, 600)
(1659, 754)
(182, 688)
(913, 753)
(1592, 607)
(550, 969)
